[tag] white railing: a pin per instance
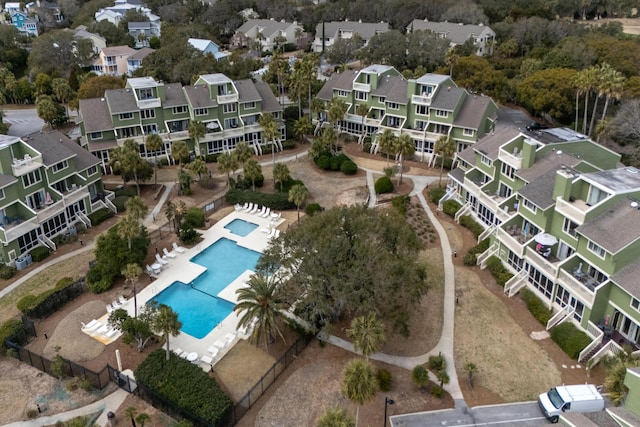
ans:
(611, 348)
(149, 103)
(463, 210)
(593, 331)
(576, 287)
(24, 166)
(486, 233)
(588, 349)
(110, 205)
(450, 192)
(226, 99)
(484, 256)
(517, 282)
(511, 242)
(372, 122)
(364, 87)
(85, 219)
(560, 316)
(513, 160)
(571, 210)
(550, 269)
(20, 229)
(48, 242)
(420, 99)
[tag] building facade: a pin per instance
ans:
(520, 184)
(229, 110)
(327, 33)
(49, 184)
(266, 33)
(425, 108)
(483, 37)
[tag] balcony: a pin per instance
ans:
(149, 103)
(13, 231)
(576, 287)
(27, 164)
(362, 87)
(372, 122)
(226, 99)
(512, 159)
(514, 240)
(575, 210)
(421, 99)
(548, 265)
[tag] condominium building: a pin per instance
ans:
(563, 216)
(425, 108)
(482, 36)
(229, 110)
(328, 33)
(49, 184)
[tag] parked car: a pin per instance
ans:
(536, 126)
(570, 398)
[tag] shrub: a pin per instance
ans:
(96, 282)
(32, 413)
(468, 222)
(278, 201)
(208, 183)
(289, 144)
(163, 162)
(313, 208)
(185, 384)
(286, 186)
(536, 306)
(570, 339)
(383, 185)
(437, 363)
(498, 271)
(401, 203)
(435, 194)
(323, 162)
(188, 235)
(39, 253)
(450, 207)
(125, 192)
(385, 380)
(470, 259)
(100, 216)
(12, 330)
(194, 217)
(420, 376)
(120, 202)
(437, 391)
(44, 303)
(349, 168)
(6, 271)
(480, 247)
(211, 158)
(60, 367)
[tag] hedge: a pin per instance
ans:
(120, 202)
(536, 306)
(194, 217)
(100, 216)
(471, 258)
(39, 253)
(383, 185)
(277, 201)
(6, 271)
(47, 302)
(185, 384)
(498, 271)
(126, 192)
(12, 330)
(570, 339)
(470, 223)
(450, 207)
(313, 208)
(349, 168)
(435, 194)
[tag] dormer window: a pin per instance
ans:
(596, 196)
(596, 249)
(145, 93)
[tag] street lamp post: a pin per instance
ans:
(387, 401)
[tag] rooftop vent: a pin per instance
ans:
(631, 170)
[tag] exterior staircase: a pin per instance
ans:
(516, 283)
(462, 211)
(449, 194)
(486, 233)
(560, 316)
(484, 256)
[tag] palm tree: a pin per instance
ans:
(616, 367)
(179, 151)
(420, 376)
(270, 132)
(317, 105)
(131, 413)
(335, 417)
(261, 302)
(613, 82)
(142, 418)
(128, 228)
(197, 130)
(443, 377)
(386, 142)
(471, 369)
(301, 127)
(175, 212)
(367, 334)
(227, 164)
(281, 174)
(362, 110)
(451, 58)
(136, 207)
(599, 88)
(589, 80)
(359, 383)
(198, 166)
(131, 273)
(167, 324)
(154, 144)
(445, 147)
(578, 84)
(252, 171)
(298, 194)
(242, 152)
(404, 146)
(336, 111)
(170, 213)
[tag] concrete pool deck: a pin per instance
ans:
(182, 269)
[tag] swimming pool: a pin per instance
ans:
(198, 307)
(241, 227)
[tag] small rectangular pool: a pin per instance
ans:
(198, 307)
(241, 227)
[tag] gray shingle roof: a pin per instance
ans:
(394, 88)
(342, 81)
(366, 30)
(269, 26)
(56, 147)
(615, 228)
(457, 174)
(174, 95)
(118, 50)
(247, 91)
(448, 98)
(95, 115)
(142, 53)
(456, 33)
(199, 96)
(540, 191)
(550, 161)
(6, 180)
(472, 112)
(102, 145)
(627, 278)
(490, 144)
(121, 101)
(269, 102)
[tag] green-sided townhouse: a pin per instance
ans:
(426, 108)
(228, 109)
(48, 185)
(519, 184)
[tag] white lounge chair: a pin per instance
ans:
(275, 215)
(95, 327)
(206, 359)
(160, 260)
(109, 308)
(214, 351)
(122, 299)
(89, 325)
(230, 337)
(262, 210)
(219, 344)
(177, 351)
(111, 332)
(249, 208)
(266, 213)
(265, 230)
(271, 233)
(102, 329)
(115, 304)
(255, 209)
(167, 253)
(275, 236)
(237, 207)
(245, 206)
(178, 249)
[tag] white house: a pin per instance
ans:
(97, 41)
(115, 13)
(143, 31)
(208, 47)
(113, 61)
(268, 32)
(336, 30)
(135, 61)
(457, 34)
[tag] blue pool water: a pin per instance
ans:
(196, 303)
(241, 227)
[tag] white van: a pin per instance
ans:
(570, 398)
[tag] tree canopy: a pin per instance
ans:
(350, 261)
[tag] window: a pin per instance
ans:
(596, 196)
(230, 123)
(180, 109)
(467, 132)
(148, 114)
(635, 304)
(422, 109)
(485, 160)
(426, 91)
(508, 171)
(222, 90)
(382, 99)
(1, 193)
(569, 227)
(598, 250)
(504, 190)
(529, 205)
(342, 93)
(442, 129)
(229, 108)
(201, 111)
(92, 170)
(95, 135)
(126, 116)
(60, 165)
(393, 106)
(394, 122)
(442, 113)
(361, 96)
(421, 124)
(148, 129)
(145, 93)
(31, 178)
(249, 105)
(541, 282)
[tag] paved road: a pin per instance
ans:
(23, 121)
(517, 414)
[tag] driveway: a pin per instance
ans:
(23, 121)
